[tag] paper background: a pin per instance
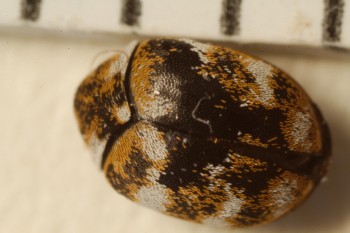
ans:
(48, 180)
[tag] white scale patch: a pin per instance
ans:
(283, 196)
(161, 105)
(301, 129)
(262, 73)
(155, 195)
(97, 148)
(154, 148)
(123, 113)
(230, 210)
(119, 65)
(215, 170)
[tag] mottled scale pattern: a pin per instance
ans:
(100, 104)
(203, 133)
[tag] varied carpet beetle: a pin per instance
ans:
(203, 133)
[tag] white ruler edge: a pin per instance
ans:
(286, 22)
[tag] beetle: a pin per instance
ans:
(203, 133)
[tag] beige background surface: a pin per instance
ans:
(50, 184)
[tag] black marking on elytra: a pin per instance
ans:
(30, 9)
(200, 151)
(332, 21)
(131, 12)
(230, 17)
(225, 122)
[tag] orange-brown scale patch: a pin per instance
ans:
(239, 161)
(283, 194)
(241, 83)
(143, 69)
(219, 106)
(302, 131)
(248, 138)
(199, 204)
(195, 201)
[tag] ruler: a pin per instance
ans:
(315, 23)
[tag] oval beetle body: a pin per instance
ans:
(203, 133)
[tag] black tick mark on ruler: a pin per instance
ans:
(332, 21)
(230, 17)
(30, 9)
(131, 12)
